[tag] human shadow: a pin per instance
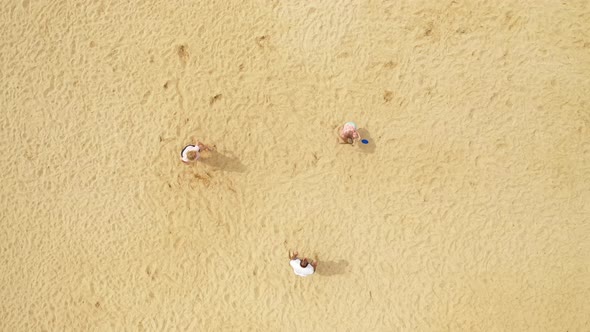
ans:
(332, 268)
(224, 161)
(371, 146)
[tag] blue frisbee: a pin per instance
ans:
(365, 141)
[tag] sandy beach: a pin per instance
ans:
(469, 209)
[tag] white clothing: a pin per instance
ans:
(301, 271)
(186, 150)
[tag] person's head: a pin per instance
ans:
(192, 155)
(304, 262)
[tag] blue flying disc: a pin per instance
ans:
(365, 141)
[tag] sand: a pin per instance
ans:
(468, 211)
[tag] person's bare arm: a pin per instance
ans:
(206, 147)
(339, 138)
(346, 139)
(314, 264)
(293, 256)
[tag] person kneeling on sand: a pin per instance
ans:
(303, 267)
(190, 153)
(349, 133)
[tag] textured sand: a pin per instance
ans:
(469, 212)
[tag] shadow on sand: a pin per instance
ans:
(366, 148)
(332, 268)
(225, 162)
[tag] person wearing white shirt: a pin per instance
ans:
(302, 267)
(190, 153)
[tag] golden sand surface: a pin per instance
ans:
(468, 211)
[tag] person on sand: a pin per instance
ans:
(190, 153)
(349, 133)
(302, 268)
